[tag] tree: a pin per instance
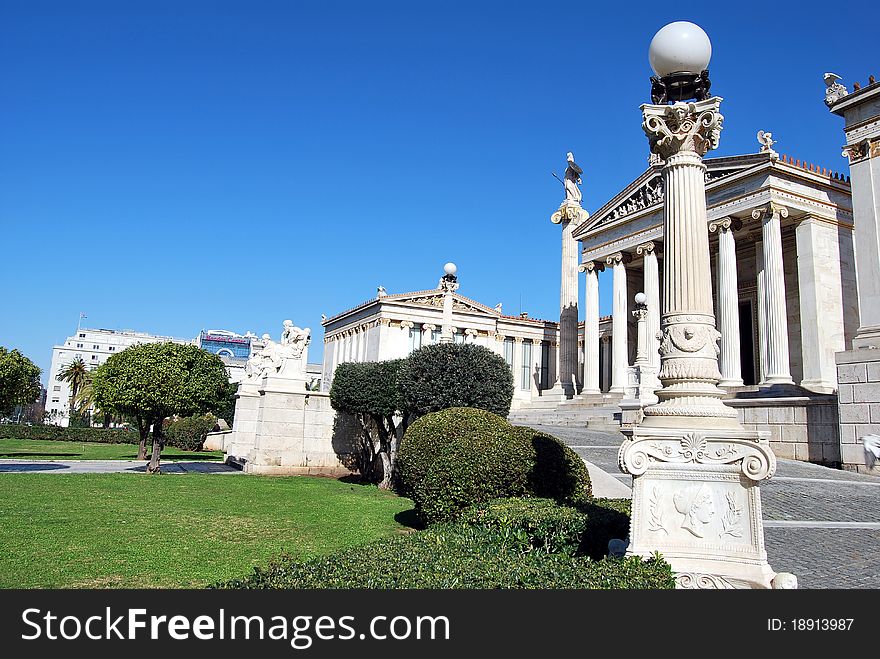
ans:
(153, 381)
(369, 391)
(75, 374)
(443, 375)
(19, 380)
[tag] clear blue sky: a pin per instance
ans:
(173, 166)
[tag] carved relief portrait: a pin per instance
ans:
(697, 506)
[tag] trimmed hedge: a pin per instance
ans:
(455, 458)
(530, 524)
(444, 375)
(57, 433)
(456, 556)
(188, 433)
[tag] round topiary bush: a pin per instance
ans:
(445, 375)
(458, 457)
(558, 472)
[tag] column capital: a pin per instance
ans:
(591, 266)
(569, 211)
(683, 127)
(725, 224)
(618, 257)
(406, 324)
(517, 339)
(649, 247)
(770, 210)
(429, 327)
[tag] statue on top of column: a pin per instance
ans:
(572, 179)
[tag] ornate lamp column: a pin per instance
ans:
(448, 284)
(694, 467)
(569, 215)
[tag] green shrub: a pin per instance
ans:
(558, 472)
(458, 457)
(455, 556)
(57, 433)
(445, 375)
(188, 433)
(530, 524)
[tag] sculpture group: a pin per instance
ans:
(274, 357)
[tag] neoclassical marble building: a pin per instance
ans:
(392, 326)
(784, 292)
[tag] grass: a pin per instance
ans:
(180, 531)
(43, 449)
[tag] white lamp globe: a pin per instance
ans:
(641, 298)
(680, 47)
(450, 269)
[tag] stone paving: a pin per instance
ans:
(111, 466)
(821, 524)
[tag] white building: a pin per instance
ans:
(392, 326)
(94, 346)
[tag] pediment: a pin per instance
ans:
(646, 192)
(434, 299)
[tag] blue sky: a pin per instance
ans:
(173, 166)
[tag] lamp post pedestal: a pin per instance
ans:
(695, 469)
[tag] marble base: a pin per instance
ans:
(697, 501)
(867, 338)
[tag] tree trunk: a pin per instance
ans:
(143, 430)
(158, 443)
(106, 420)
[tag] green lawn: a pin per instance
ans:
(43, 449)
(139, 531)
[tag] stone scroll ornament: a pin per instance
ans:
(754, 458)
(694, 127)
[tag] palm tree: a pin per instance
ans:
(75, 374)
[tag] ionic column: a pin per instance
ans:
(569, 216)
(775, 316)
(618, 323)
(651, 288)
(517, 363)
(728, 303)
(761, 312)
(591, 327)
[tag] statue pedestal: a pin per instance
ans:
(244, 429)
(696, 500)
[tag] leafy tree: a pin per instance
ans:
(444, 375)
(369, 391)
(153, 381)
(19, 380)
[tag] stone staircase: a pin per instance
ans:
(594, 413)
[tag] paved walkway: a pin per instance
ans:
(821, 524)
(111, 467)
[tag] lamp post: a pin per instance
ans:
(695, 468)
(448, 284)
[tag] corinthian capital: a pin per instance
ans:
(683, 127)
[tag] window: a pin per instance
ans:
(112, 348)
(57, 387)
(458, 337)
(508, 351)
(94, 358)
(82, 336)
(79, 345)
(96, 347)
(78, 355)
(415, 337)
(526, 364)
(545, 364)
(56, 400)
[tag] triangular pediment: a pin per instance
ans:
(434, 298)
(646, 192)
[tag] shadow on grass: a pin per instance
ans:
(37, 454)
(409, 519)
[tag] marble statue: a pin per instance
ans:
(381, 292)
(834, 90)
(498, 308)
(267, 358)
(294, 340)
(572, 179)
(766, 141)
